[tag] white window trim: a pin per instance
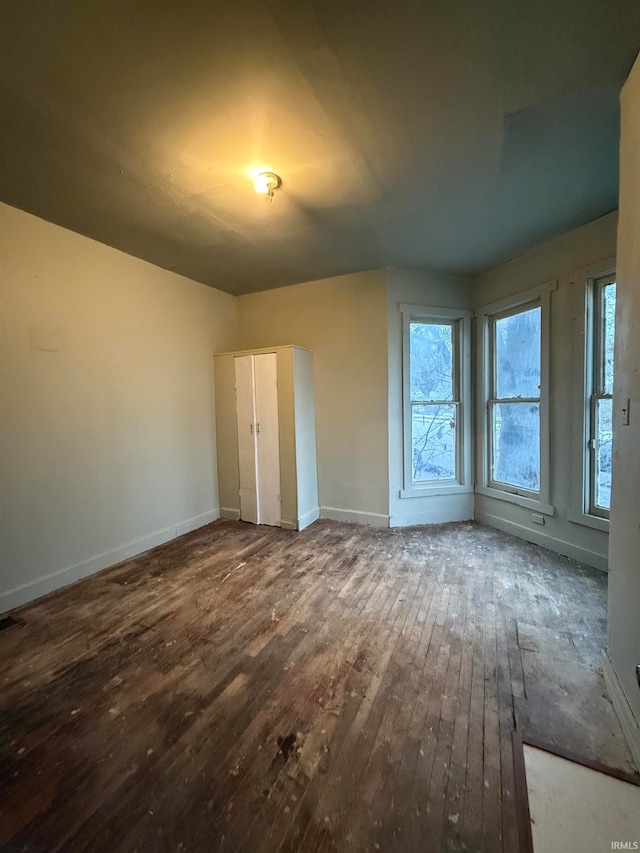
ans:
(464, 481)
(583, 282)
(540, 501)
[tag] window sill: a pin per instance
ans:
(528, 503)
(586, 520)
(436, 489)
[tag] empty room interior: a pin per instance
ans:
(320, 425)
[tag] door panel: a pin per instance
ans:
(266, 390)
(247, 455)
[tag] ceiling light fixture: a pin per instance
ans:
(266, 183)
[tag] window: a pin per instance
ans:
(437, 437)
(513, 414)
(514, 399)
(595, 308)
(603, 295)
(434, 400)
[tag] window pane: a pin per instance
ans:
(516, 444)
(604, 434)
(608, 332)
(431, 361)
(433, 441)
(518, 354)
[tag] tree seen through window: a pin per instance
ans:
(602, 437)
(515, 404)
(434, 400)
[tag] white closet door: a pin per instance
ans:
(266, 388)
(247, 447)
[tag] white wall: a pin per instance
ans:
(558, 259)
(624, 553)
(343, 320)
(433, 290)
(106, 405)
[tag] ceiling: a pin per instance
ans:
(433, 134)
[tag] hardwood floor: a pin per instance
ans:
(344, 688)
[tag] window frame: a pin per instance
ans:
(486, 316)
(460, 319)
(587, 349)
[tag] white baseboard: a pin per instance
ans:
(560, 546)
(285, 523)
(195, 522)
(375, 519)
(63, 577)
(308, 518)
(229, 513)
(628, 722)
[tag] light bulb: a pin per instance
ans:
(266, 183)
(263, 183)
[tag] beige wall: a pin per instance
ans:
(344, 321)
(558, 259)
(555, 258)
(624, 554)
(106, 405)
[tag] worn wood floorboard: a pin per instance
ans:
(344, 688)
